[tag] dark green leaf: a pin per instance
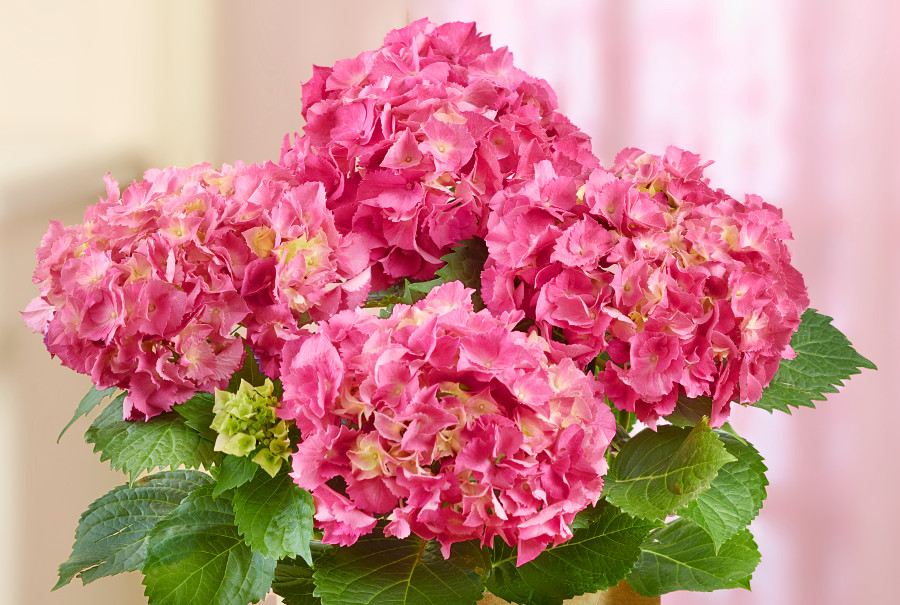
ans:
(465, 263)
(415, 291)
(234, 472)
(389, 296)
(656, 473)
(249, 371)
(825, 359)
(406, 293)
(92, 399)
(197, 413)
(388, 571)
(196, 556)
(681, 556)
(471, 555)
(597, 557)
(294, 582)
(111, 535)
(735, 495)
(590, 515)
(688, 412)
(134, 446)
(275, 516)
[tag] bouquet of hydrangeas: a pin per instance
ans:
(435, 351)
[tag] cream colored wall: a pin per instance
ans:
(267, 51)
(98, 86)
(85, 88)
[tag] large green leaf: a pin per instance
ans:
(595, 558)
(92, 399)
(658, 472)
(681, 556)
(275, 516)
(735, 495)
(294, 582)
(388, 571)
(111, 536)
(234, 472)
(134, 446)
(825, 359)
(196, 556)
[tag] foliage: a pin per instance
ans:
(659, 472)
(825, 359)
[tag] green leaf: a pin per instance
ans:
(111, 536)
(470, 555)
(389, 296)
(681, 556)
(195, 556)
(234, 472)
(388, 571)
(198, 414)
(465, 263)
(825, 359)
(688, 412)
(134, 446)
(413, 292)
(92, 399)
(249, 371)
(294, 582)
(275, 516)
(735, 496)
(595, 558)
(656, 473)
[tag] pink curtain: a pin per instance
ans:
(795, 101)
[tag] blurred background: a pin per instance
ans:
(795, 101)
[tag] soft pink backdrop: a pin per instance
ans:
(794, 100)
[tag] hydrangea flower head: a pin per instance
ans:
(679, 288)
(149, 292)
(414, 138)
(447, 423)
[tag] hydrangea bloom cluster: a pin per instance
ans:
(638, 287)
(446, 422)
(246, 420)
(147, 294)
(685, 290)
(414, 138)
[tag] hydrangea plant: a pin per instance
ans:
(468, 358)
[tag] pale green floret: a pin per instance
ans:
(236, 444)
(246, 420)
(268, 461)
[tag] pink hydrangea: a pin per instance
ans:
(681, 289)
(414, 138)
(148, 293)
(445, 422)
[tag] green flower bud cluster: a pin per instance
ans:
(246, 423)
